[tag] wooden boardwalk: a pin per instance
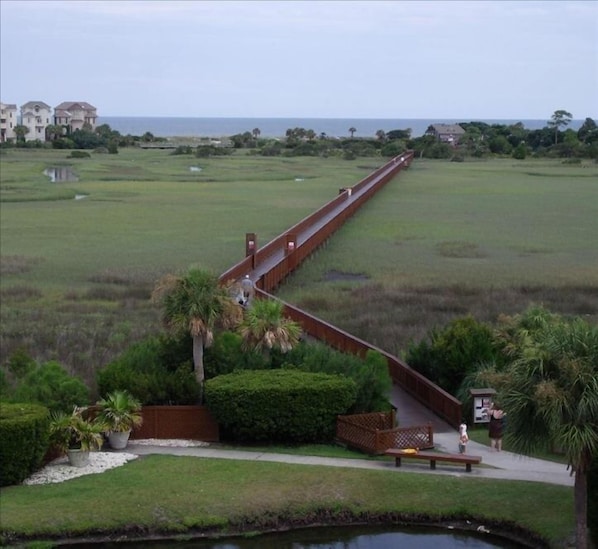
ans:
(276, 252)
(417, 399)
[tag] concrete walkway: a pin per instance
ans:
(495, 465)
(501, 465)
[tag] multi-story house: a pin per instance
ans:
(446, 133)
(8, 121)
(74, 115)
(35, 116)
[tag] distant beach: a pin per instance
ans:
(277, 127)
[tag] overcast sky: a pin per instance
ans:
(306, 59)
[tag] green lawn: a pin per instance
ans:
(166, 494)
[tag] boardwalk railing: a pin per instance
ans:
(274, 262)
(421, 388)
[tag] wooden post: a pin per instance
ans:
(250, 244)
(290, 247)
(251, 247)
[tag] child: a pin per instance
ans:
(463, 437)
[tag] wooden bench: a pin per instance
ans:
(433, 457)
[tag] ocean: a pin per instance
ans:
(277, 127)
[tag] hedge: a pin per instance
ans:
(24, 432)
(287, 406)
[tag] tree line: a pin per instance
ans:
(480, 139)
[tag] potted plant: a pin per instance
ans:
(119, 412)
(75, 435)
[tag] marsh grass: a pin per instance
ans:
(73, 270)
(440, 241)
(16, 264)
(167, 494)
(449, 239)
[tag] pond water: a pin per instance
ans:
(58, 174)
(348, 537)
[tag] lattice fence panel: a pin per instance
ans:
(373, 433)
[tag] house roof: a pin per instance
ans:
(9, 106)
(33, 104)
(453, 129)
(74, 105)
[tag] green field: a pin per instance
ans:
(441, 240)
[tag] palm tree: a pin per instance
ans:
(550, 392)
(196, 304)
(256, 133)
(352, 130)
(54, 131)
(264, 327)
(381, 135)
(21, 131)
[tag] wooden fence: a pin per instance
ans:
(376, 432)
(184, 422)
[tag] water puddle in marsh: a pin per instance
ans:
(59, 174)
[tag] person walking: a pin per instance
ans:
(496, 426)
(248, 290)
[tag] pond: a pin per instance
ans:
(58, 174)
(346, 537)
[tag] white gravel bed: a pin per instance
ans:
(60, 470)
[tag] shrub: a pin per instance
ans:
(519, 152)
(448, 355)
(439, 150)
(279, 405)
(155, 371)
(79, 154)
(371, 377)
(226, 355)
(49, 385)
(393, 148)
(24, 432)
(182, 149)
